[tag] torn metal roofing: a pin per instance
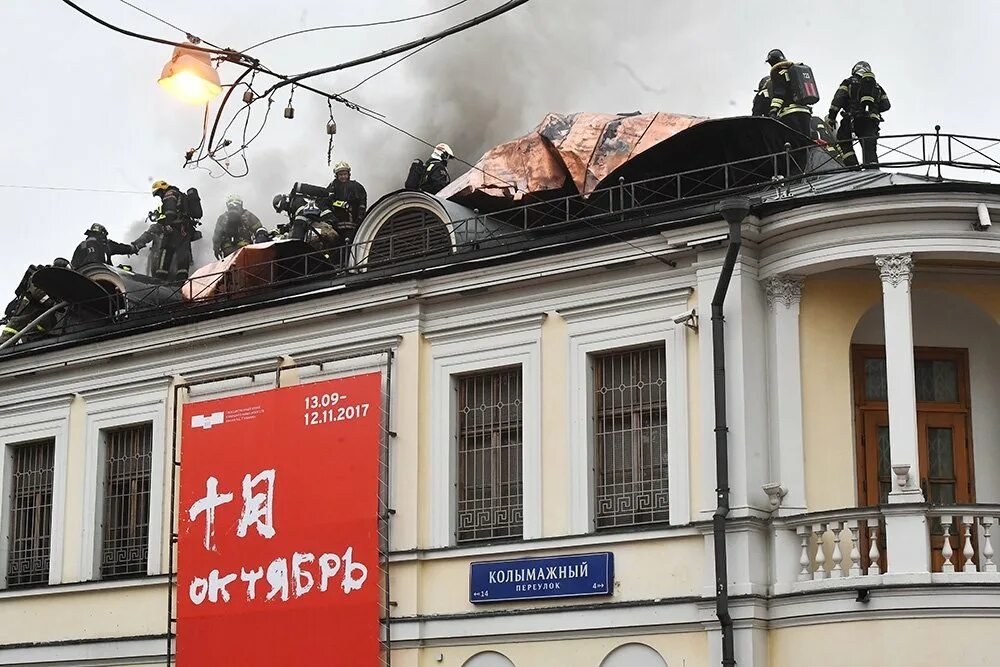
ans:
(565, 154)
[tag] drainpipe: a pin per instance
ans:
(734, 211)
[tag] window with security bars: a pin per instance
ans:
(630, 437)
(30, 502)
(488, 433)
(128, 454)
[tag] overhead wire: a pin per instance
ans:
(167, 23)
(386, 68)
(19, 186)
(355, 25)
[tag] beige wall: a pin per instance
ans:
(830, 309)
(690, 649)
(125, 612)
(664, 568)
(911, 642)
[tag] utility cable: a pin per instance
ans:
(402, 48)
(13, 186)
(355, 25)
(387, 67)
(187, 34)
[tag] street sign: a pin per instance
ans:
(549, 577)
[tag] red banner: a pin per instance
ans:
(278, 559)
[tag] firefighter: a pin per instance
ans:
(29, 302)
(762, 97)
(234, 229)
(822, 134)
(783, 107)
(173, 230)
(97, 248)
(862, 101)
(435, 175)
(352, 193)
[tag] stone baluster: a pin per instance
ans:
(873, 554)
(837, 557)
(819, 573)
(946, 548)
(988, 564)
(803, 533)
(968, 523)
(855, 570)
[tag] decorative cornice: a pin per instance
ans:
(895, 269)
(783, 289)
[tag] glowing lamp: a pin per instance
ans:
(190, 77)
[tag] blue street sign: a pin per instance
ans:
(534, 578)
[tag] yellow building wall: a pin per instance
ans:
(888, 643)
(688, 649)
(664, 568)
(829, 312)
(125, 612)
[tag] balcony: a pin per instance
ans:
(891, 544)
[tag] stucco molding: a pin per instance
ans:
(784, 290)
(895, 269)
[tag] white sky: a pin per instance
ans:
(82, 108)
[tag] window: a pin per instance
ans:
(30, 503)
(489, 436)
(630, 437)
(128, 454)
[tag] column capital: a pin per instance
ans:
(786, 290)
(895, 269)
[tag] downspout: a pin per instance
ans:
(734, 211)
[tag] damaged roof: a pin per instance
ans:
(565, 154)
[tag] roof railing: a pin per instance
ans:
(931, 152)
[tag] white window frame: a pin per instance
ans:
(477, 348)
(124, 406)
(28, 422)
(606, 327)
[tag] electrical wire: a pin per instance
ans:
(168, 23)
(387, 67)
(402, 48)
(16, 186)
(355, 25)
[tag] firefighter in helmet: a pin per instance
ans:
(173, 230)
(783, 105)
(97, 248)
(234, 229)
(862, 101)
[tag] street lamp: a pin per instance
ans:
(189, 76)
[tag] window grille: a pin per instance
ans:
(30, 533)
(490, 487)
(128, 456)
(630, 433)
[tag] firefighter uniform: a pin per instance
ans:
(862, 101)
(762, 98)
(172, 232)
(29, 302)
(789, 112)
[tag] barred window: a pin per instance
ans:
(128, 454)
(30, 532)
(488, 432)
(630, 433)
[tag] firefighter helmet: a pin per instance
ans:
(60, 263)
(234, 201)
(341, 166)
(774, 56)
(442, 152)
(861, 67)
(160, 185)
(97, 229)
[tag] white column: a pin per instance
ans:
(907, 541)
(896, 272)
(784, 375)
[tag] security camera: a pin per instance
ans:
(688, 318)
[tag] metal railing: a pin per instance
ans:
(521, 228)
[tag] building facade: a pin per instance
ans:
(560, 403)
